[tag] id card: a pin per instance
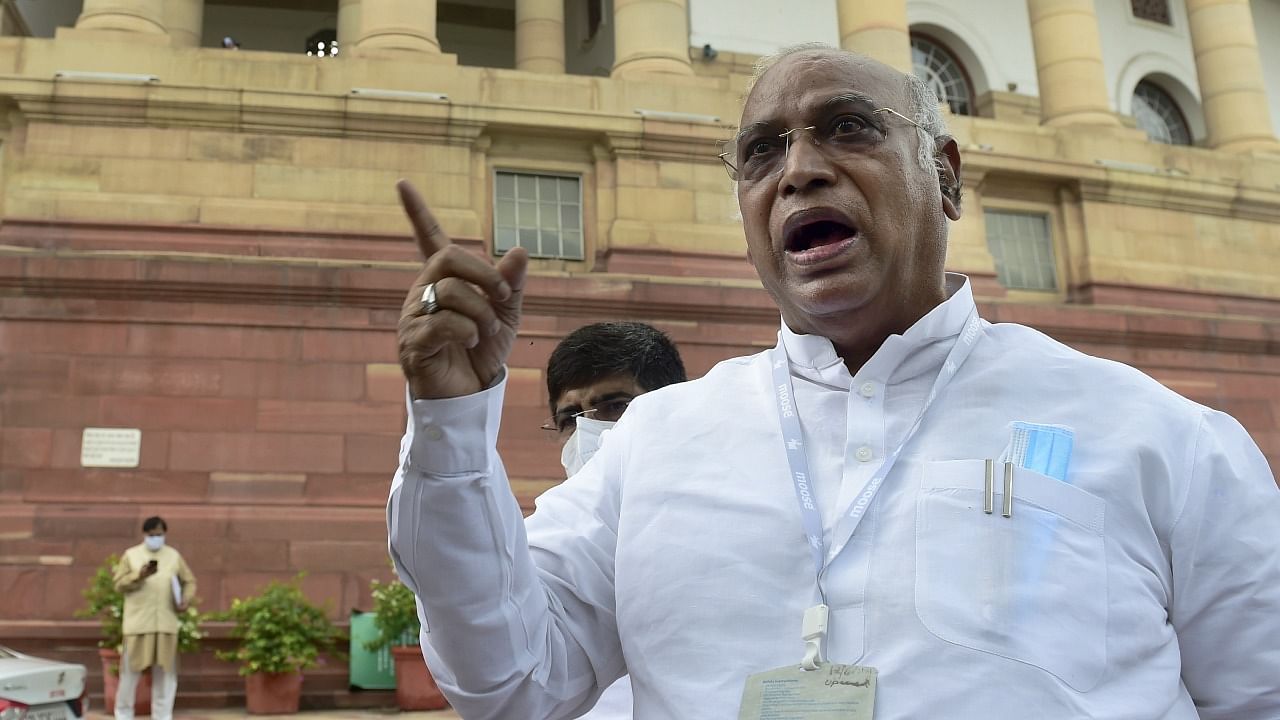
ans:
(832, 692)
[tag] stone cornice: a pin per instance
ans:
(316, 113)
(373, 285)
(378, 285)
(1184, 194)
(1131, 185)
(1251, 195)
(238, 109)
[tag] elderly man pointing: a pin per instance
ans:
(899, 511)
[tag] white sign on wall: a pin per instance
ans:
(110, 447)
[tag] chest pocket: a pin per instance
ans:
(1032, 588)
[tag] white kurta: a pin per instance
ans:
(1147, 585)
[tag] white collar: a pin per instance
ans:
(944, 321)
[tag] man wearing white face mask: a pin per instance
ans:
(595, 372)
(157, 585)
(583, 443)
(592, 376)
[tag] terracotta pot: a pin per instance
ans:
(273, 693)
(111, 682)
(415, 688)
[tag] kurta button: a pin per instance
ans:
(863, 454)
(867, 390)
(434, 432)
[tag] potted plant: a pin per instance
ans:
(396, 617)
(280, 634)
(104, 602)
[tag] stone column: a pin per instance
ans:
(1232, 92)
(540, 35)
(133, 16)
(651, 36)
(185, 20)
(348, 24)
(1073, 88)
(877, 28)
(397, 26)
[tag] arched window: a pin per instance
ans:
(1158, 115)
(935, 65)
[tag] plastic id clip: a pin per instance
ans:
(814, 632)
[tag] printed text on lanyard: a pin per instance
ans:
(797, 459)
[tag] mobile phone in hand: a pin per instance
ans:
(153, 564)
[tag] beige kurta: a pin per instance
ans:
(150, 616)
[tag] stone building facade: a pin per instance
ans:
(203, 244)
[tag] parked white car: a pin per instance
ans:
(36, 689)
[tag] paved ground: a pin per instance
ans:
(240, 714)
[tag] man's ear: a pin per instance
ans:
(947, 159)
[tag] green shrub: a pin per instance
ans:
(189, 633)
(396, 615)
(279, 630)
(104, 602)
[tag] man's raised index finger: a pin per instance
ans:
(430, 236)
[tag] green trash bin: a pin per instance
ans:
(369, 670)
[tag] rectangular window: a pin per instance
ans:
(1153, 10)
(540, 213)
(1023, 250)
(595, 16)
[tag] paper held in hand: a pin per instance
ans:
(177, 590)
(832, 692)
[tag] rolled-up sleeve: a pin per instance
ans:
(504, 637)
(1226, 568)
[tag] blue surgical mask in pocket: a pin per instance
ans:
(1045, 449)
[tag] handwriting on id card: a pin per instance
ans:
(832, 692)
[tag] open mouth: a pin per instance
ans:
(812, 236)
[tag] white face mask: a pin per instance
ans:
(154, 542)
(584, 442)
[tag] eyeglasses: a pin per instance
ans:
(608, 411)
(755, 157)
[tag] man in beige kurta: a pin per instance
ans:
(154, 594)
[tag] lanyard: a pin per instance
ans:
(797, 459)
